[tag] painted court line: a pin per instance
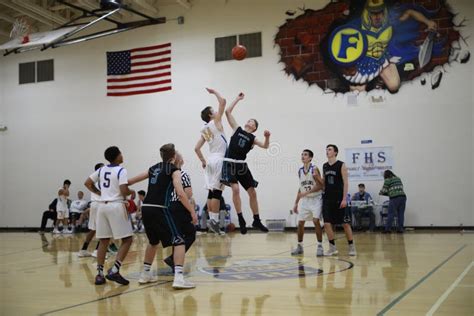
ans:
(445, 295)
(406, 292)
(104, 298)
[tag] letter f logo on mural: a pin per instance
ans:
(347, 45)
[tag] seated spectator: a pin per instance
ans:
(77, 208)
(366, 209)
(49, 214)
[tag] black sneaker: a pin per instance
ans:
(116, 277)
(258, 224)
(242, 226)
(99, 279)
(169, 262)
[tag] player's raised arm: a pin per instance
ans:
(198, 151)
(222, 102)
(138, 178)
(265, 144)
(228, 112)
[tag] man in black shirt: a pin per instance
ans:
(235, 170)
(160, 223)
(335, 210)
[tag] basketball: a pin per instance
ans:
(239, 52)
(230, 227)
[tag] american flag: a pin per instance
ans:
(139, 71)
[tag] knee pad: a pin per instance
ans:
(217, 194)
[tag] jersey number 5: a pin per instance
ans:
(107, 180)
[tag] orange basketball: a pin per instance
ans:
(239, 52)
(230, 227)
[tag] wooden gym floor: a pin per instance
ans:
(411, 274)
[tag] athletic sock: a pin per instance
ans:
(100, 270)
(85, 245)
(147, 267)
(116, 267)
(241, 216)
(300, 243)
(214, 216)
(350, 242)
(256, 217)
(332, 242)
(320, 243)
(178, 270)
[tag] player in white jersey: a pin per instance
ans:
(308, 204)
(213, 134)
(112, 218)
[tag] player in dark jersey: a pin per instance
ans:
(160, 223)
(235, 170)
(335, 209)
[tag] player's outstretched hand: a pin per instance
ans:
(241, 96)
(204, 164)
(211, 91)
(266, 133)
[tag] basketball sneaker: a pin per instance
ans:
(298, 251)
(99, 279)
(56, 231)
(112, 248)
(83, 254)
(242, 226)
(180, 283)
(352, 250)
(147, 277)
(320, 251)
(116, 277)
(213, 226)
(258, 224)
(332, 251)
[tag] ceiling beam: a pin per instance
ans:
(184, 3)
(151, 10)
(7, 18)
(26, 12)
(40, 11)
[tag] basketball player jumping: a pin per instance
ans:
(309, 200)
(213, 134)
(336, 184)
(235, 170)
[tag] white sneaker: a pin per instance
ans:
(332, 251)
(67, 231)
(320, 251)
(180, 283)
(298, 251)
(214, 226)
(352, 250)
(56, 231)
(147, 277)
(83, 254)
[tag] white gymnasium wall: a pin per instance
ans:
(60, 129)
(2, 136)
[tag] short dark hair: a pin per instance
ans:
(67, 182)
(111, 153)
(361, 185)
(256, 123)
(336, 150)
(388, 174)
(98, 166)
(310, 152)
(206, 114)
(141, 192)
(167, 152)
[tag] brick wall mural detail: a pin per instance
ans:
(361, 45)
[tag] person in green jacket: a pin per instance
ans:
(393, 188)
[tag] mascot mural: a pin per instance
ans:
(370, 44)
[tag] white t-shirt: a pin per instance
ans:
(109, 179)
(61, 206)
(78, 206)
